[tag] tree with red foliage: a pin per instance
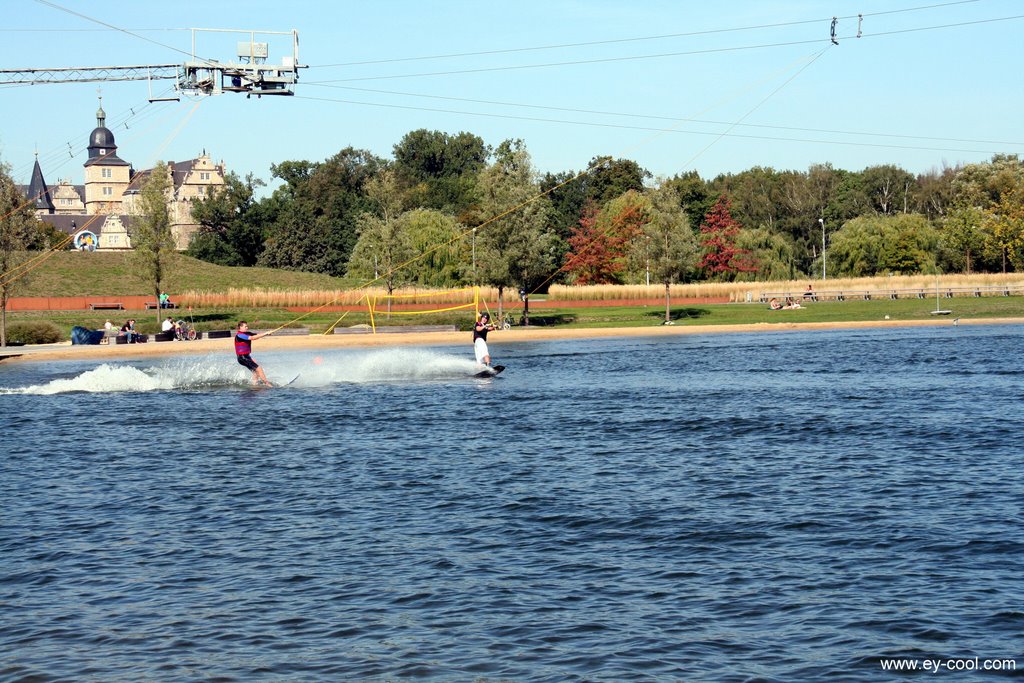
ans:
(722, 258)
(590, 259)
(598, 247)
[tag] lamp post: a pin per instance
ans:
(474, 255)
(647, 258)
(822, 221)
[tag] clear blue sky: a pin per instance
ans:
(676, 86)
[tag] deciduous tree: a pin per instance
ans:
(17, 232)
(315, 229)
(667, 243)
(439, 170)
(231, 223)
(153, 241)
(516, 247)
(722, 259)
(874, 245)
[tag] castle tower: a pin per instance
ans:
(106, 175)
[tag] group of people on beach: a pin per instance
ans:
(127, 331)
(791, 302)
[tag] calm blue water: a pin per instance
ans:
(791, 506)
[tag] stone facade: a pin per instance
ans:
(105, 203)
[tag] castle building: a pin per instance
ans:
(99, 213)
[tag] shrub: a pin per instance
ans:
(34, 332)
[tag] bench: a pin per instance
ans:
(110, 305)
(153, 304)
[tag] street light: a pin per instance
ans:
(474, 255)
(822, 221)
(647, 258)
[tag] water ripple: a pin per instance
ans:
(630, 511)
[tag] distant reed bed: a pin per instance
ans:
(732, 291)
(266, 298)
(751, 291)
(619, 292)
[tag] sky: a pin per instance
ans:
(675, 86)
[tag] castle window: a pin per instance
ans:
(106, 172)
(108, 191)
(204, 176)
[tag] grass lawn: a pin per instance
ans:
(76, 273)
(822, 311)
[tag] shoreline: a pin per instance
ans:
(66, 351)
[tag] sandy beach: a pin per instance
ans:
(65, 351)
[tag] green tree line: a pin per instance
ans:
(449, 210)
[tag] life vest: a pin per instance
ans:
(243, 347)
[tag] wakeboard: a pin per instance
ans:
(490, 372)
(290, 381)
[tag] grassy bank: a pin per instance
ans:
(221, 318)
(220, 296)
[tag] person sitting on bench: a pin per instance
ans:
(128, 331)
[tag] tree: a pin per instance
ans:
(567, 194)
(152, 239)
(439, 170)
(593, 255)
(873, 245)
(231, 231)
(756, 196)
(382, 253)
(599, 252)
(384, 248)
(981, 185)
(849, 200)
(933, 195)
(608, 178)
(772, 252)
(808, 196)
(963, 238)
(1006, 219)
(667, 242)
(315, 228)
(516, 246)
(887, 188)
(694, 195)
(17, 234)
(722, 259)
(438, 238)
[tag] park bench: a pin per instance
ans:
(154, 304)
(115, 305)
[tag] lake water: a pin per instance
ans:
(789, 506)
